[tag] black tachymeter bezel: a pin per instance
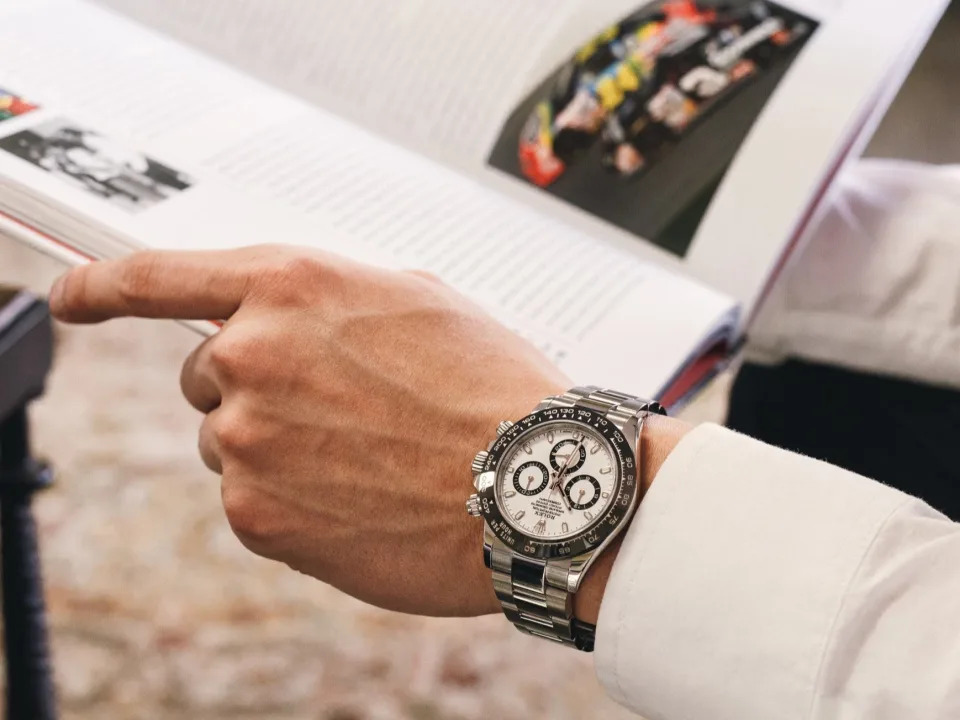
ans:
(595, 534)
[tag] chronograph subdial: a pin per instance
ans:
(531, 478)
(583, 492)
(561, 453)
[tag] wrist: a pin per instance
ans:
(474, 573)
(659, 437)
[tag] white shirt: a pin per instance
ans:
(755, 584)
(876, 285)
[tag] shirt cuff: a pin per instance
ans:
(723, 595)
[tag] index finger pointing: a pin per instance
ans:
(154, 284)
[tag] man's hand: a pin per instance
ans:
(344, 405)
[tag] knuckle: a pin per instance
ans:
(297, 277)
(234, 433)
(232, 353)
(300, 271)
(426, 275)
(303, 266)
(247, 514)
(137, 277)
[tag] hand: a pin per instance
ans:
(343, 407)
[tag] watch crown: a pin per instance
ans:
(503, 427)
(479, 462)
(473, 505)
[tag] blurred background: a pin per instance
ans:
(158, 612)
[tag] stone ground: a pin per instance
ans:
(158, 613)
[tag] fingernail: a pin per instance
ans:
(56, 294)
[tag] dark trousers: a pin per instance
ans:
(901, 433)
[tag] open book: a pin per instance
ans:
(617, 180)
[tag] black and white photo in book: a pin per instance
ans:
(639, 127)
(88, 160)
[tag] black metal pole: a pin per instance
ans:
(30, 693)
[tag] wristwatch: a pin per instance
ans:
(554, 490)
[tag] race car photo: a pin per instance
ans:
(12, 105)
(639, 86)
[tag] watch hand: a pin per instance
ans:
(570, 457)
(563, 494)
(555, 485)
(560, 475)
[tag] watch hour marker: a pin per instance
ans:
(527, 449)
(595, 449)
(519, 515)
(605, 495)
(605, 471)
(509, 494)
(565, 528)
(550, 436)
(588, 515)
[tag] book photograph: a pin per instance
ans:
(12, 105)
(639, 126)
(86, 159)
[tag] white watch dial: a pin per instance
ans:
(557, 481)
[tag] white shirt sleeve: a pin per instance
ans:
(758, 584)
(876, 284)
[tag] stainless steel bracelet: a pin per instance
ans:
(536, 594)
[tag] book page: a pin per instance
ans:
(653, 109)
(819, 121)
(660, 125)
(434, 75)
(126, 140)
(704, 134)
(439, 76)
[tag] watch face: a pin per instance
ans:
(557, 480)
(563, 482)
